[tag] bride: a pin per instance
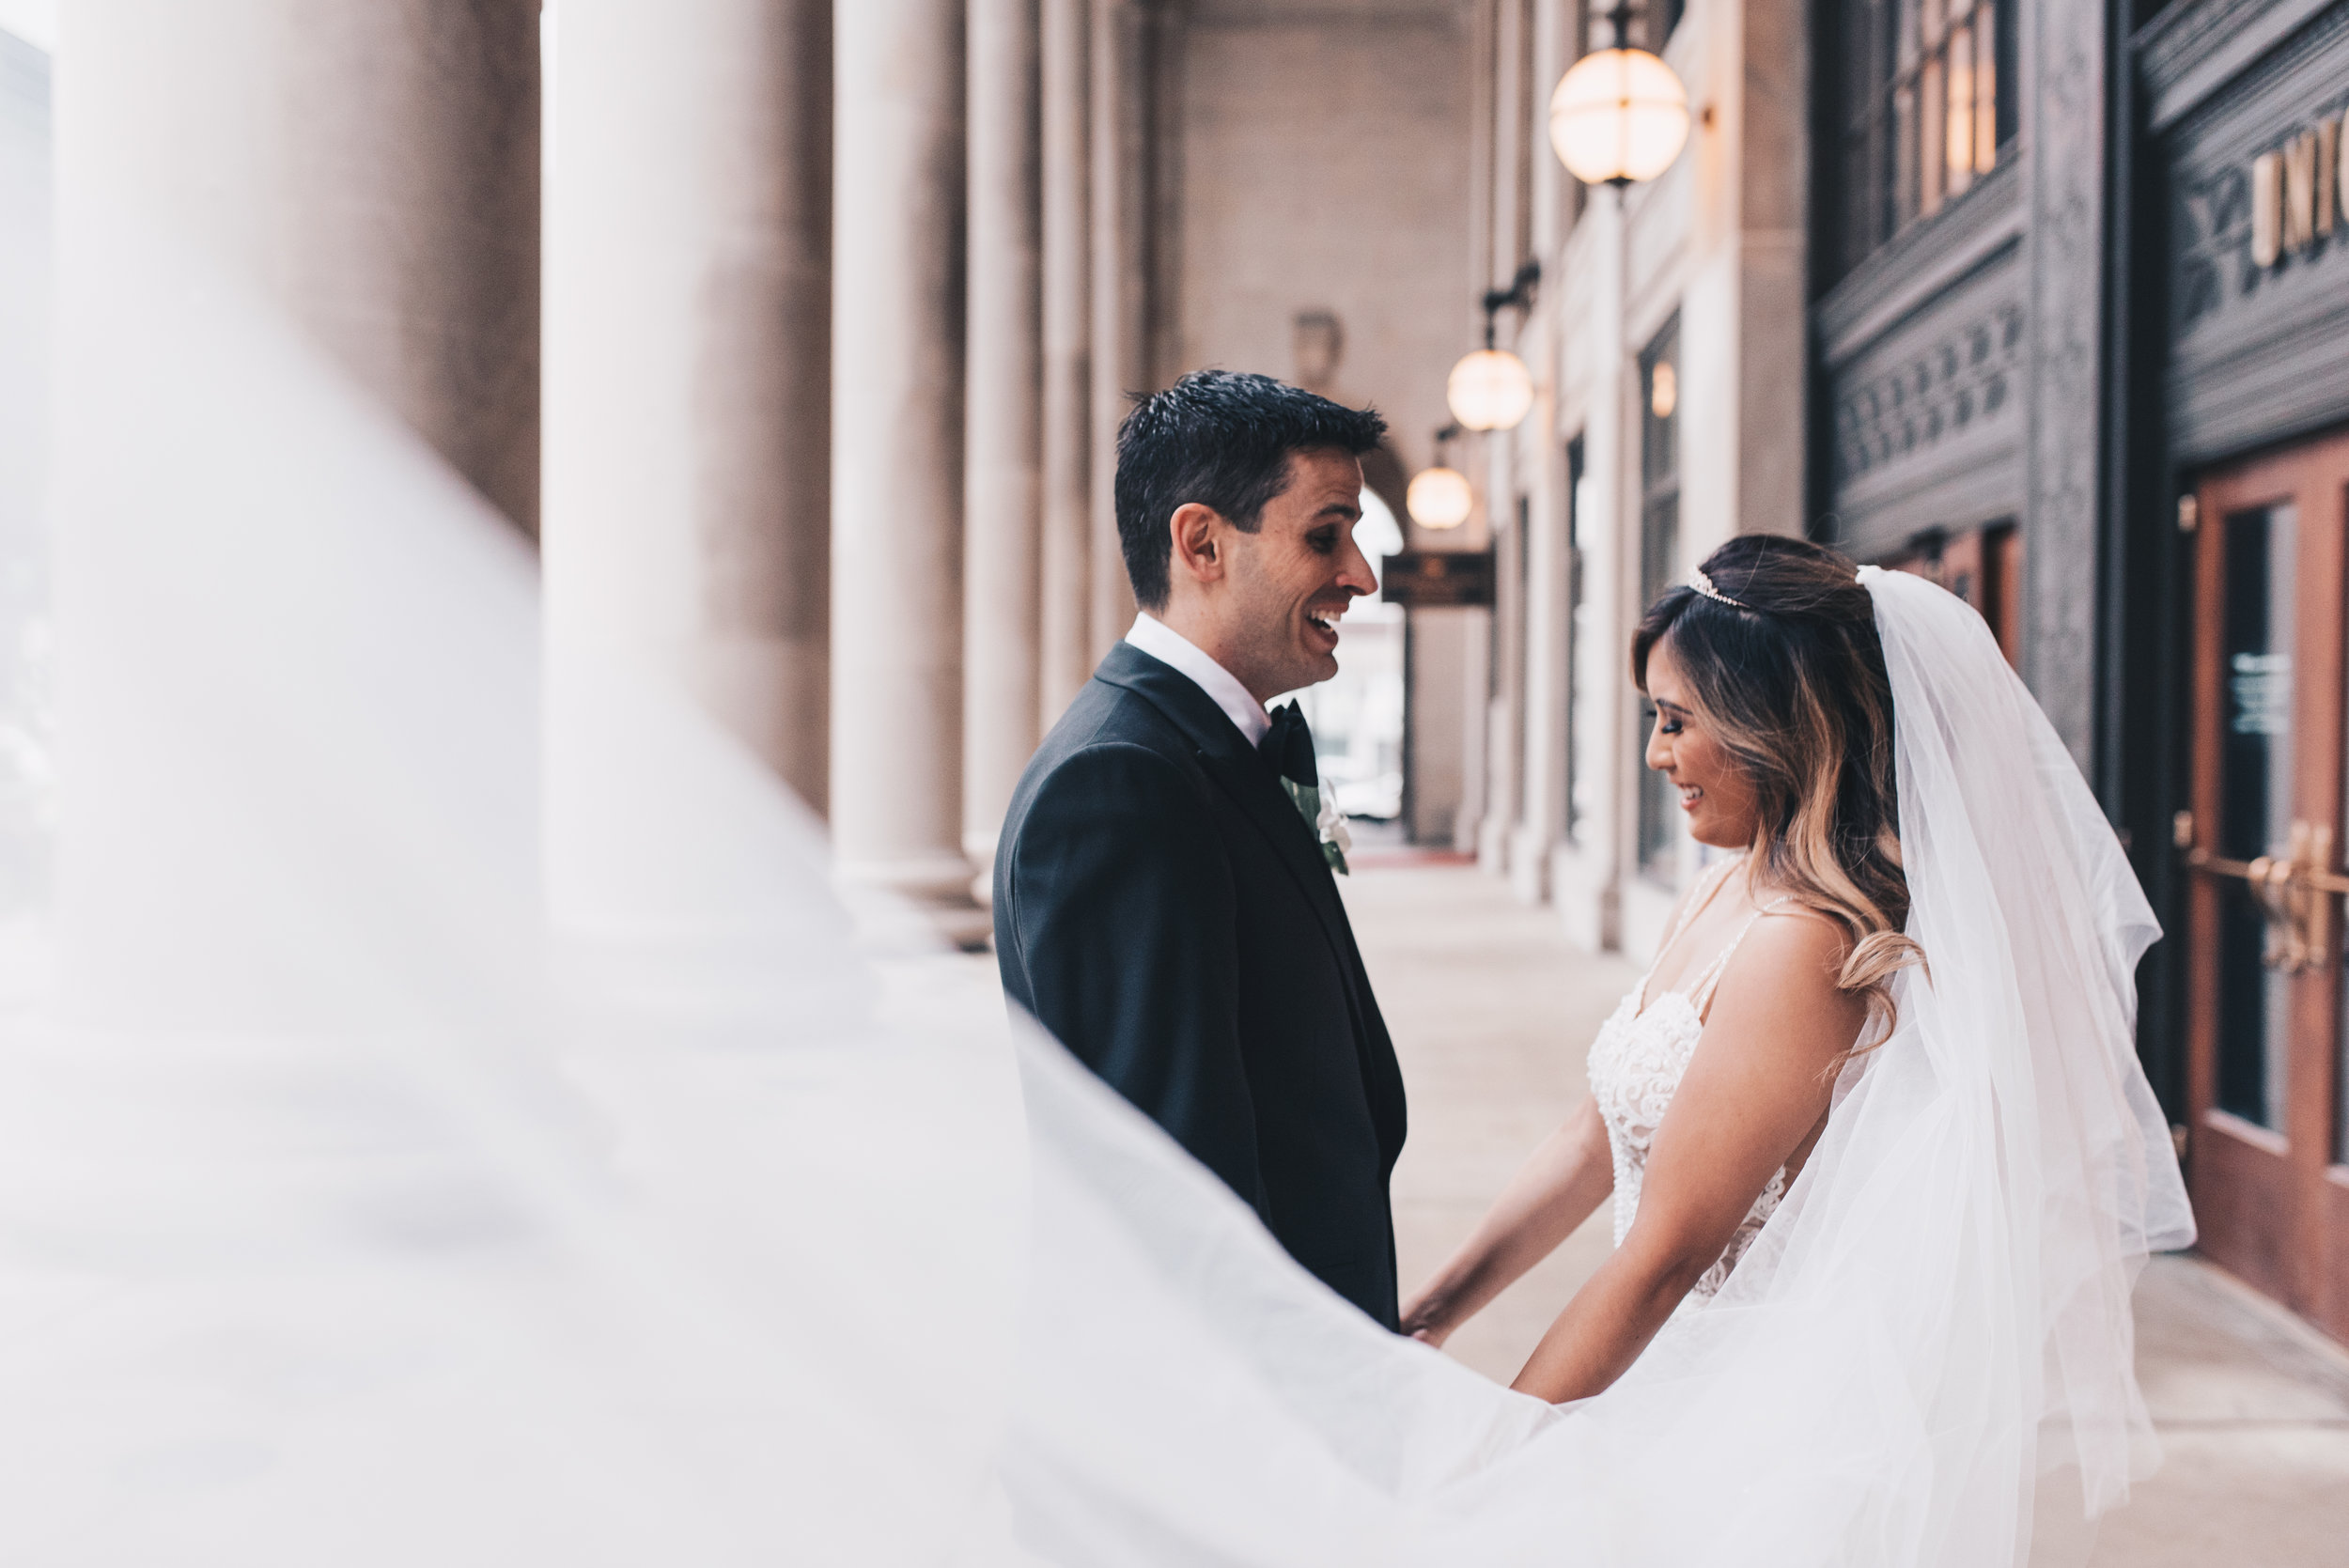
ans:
(1711, 1084)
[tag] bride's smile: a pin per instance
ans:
(1714, 789)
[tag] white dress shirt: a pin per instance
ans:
(1163, 643)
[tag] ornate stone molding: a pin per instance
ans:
(1967, 375)
(1923, 264)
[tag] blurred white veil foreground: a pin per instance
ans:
(354, 1209)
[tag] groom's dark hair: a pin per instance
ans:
(1222, 439)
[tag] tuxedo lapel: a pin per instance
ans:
(1246, 777)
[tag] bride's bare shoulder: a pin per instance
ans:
(1787, 969)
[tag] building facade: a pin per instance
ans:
(2031, 297)
(1666, 339)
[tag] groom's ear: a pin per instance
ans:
(1198, 543)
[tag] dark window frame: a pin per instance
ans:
(1891, 68)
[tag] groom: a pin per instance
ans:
(1164, 901)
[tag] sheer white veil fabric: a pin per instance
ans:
(354, 1208)
(1934, 1322)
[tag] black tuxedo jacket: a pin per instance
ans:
(1163, 907)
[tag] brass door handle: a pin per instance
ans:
(2294, 892)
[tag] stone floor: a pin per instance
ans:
(1492, 1013)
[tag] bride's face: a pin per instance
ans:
(1714, 791)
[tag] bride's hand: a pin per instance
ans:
(1423, 1322)
(1556, 1188)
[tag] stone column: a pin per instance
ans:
(1066, 609)
(1118, 213)
(1541, 805)
(688, 331)
(1504, 724)
(2064, 52)
(1002, 424)
(896, 466)
(1589, 873)
(371, 165)
(1469, 700)
(366, 171)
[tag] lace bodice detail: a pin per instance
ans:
(1636, 1066)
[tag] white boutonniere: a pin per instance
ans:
(1320, 809)
(1335, 841)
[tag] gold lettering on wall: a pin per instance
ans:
(2300, 191)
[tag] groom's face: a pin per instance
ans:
(1289, 582)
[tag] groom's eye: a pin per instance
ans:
(1323, 540)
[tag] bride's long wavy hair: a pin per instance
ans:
(1791, 680)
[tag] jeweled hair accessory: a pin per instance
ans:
(1703, 584)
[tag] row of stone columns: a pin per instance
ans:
(840, 308)
(985, 272)
(876, 538)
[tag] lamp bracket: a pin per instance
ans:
(1519, 296)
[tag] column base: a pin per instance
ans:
(916, 895)
(1492, 847)
(1529, 863)
(979, 849)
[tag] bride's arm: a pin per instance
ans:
(1569, 1175)
(1554, 1191)
(1756, 1088)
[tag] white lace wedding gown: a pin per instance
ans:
(1641, 1053)
(353, 1209)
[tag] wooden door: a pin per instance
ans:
(2268, 1151)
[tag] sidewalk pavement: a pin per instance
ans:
(1493, 1015)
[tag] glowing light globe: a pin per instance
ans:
(1438, 498)
(1489, 390)
(1620, 114)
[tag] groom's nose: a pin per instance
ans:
(1354, 569)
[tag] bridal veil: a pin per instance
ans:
(355, 1208)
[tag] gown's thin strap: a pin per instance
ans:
(1688, 911)
(1701, 997)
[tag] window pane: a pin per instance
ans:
(1931, 88)
(1904, 155)
(1960, 140)
(2254, 804)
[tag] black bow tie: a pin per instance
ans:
(1288, 745)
